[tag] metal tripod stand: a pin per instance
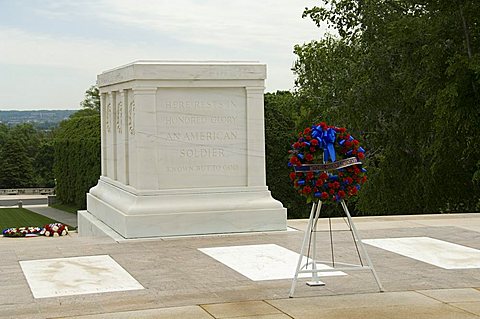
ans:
(310, 240)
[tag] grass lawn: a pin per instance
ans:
(21, 217)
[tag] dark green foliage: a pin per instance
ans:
(16, 170)
(27, 136)
(77, 158)
(43, 164)
(26, 156)
(286, 115)
(3, 134)
(84, 112)
(281, 113)
(21, 217)
(404, 77)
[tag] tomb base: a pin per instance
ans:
(134, 214)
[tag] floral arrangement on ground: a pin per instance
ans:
(340, 175)
(49, 230)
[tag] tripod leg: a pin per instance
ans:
(360, 244)
(302, 249)
(331, 240)
(315, 281)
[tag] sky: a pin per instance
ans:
(51, 51)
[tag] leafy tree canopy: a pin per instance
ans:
(92, 99)
(26, 157)
(405, 75)
(84, 112)
(77, 158)
(16, 170)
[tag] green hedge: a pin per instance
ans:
(77, 158)
(282, 116)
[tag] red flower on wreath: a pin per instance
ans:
(307, 190)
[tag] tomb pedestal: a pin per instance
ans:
(182, 152)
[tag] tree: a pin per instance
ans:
(77, 158)
(84, 112)
(43, 164)
(77, 151)
(3, 134)
(26, 156)
(404, 75)
(28, 136)
(92, 99)
(38, 146)
(281, 114)
(16, 170)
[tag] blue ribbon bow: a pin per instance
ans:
(328, 140)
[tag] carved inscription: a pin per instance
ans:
(131, 118)
(119, 117)
(203, 135)
(203, 168)
(108, 117)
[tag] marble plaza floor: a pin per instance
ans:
(429, 266)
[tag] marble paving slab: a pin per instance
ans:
(433, 251)
(262, 262)
(76, 276)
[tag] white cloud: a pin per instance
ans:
(216, 22)
(27, 48)
(263, 30)
(267, 28)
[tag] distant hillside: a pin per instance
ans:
(43, 119)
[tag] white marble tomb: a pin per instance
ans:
(182, 151)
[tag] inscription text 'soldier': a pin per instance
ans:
(196, 119)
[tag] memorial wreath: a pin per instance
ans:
(327, 164)
(21, 231)
(55, 229)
